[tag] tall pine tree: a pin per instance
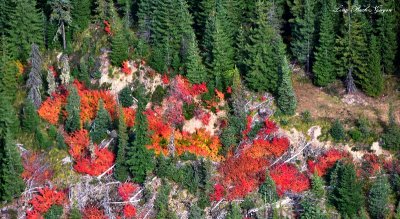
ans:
(8, 70)
(101, 124)
(287, 101)
(372, 83)
(140, 159)
(73, 121)
(80, 14)
(121, 172)
(378, 198)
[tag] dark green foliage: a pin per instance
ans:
(119, 48)
(60, 141)
(61, 14)
(121, 172)
(161, 203)
(8, 70)
(303, 31)
(287, 101)
(101, 124)
(125, 97)
(83, 74)
(195, 70)
(188, 110)
(373, 82)
(41, 140)
(139, 159)
(324, 66)
(158, 95)
(54, 212)
(75, 214)
(387, 36)
(317, 186)
(195, 212)
(347, 195)
(397, 216)
(247, 204)
(73, 121)
(378, 198)
(268, 189)
(234, 212)
(391, 136)
(337, 131)
(228, 138)
(80, 14)
(311, 210)
(25, 28)
(30, 118)
(52, 132)
(306, 117)
(264, 53)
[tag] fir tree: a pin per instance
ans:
(73, 121)
(125, 97)
(30, 118)
(337, 131)
(144, 20)
(234, 212)
(25, 28)
(348, 196)
(303, 31)
(397, 216)
(287, 101)
(352, 48)
(119, 48)
(34, 82)
(387, 36)
(263, 50)
(11, 183)
(195, 69)
(268, 189)
(195, 212)
(140, 160)
(378, 198)
(83, 74)
(121, 171)
(61, 12)
(373, 82)
(101, 10)
(8, 70)
(311, 210)
(101, 124)
(80, 14)
(324, 66)
(317, 186)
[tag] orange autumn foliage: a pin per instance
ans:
(129, 114)
(92, 212)
(51, 108)
(47, 197)
(77, 142)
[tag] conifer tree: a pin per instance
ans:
(125, 97)
(119, 48)
(287, 101)
(11, 183)
(311, 210)
(324, 66)
(144, 20)
(8, 70)
(101, 124)
(61, 12)
(263, 51)
(195, 70)
(303, 31)
(317, 186)
(80, 14)
(121, 172)
(348, 195)
(6, 8)
(352, 48)
(25, 28)
(234, 212)
(34, 82)
(387, 35)
(73, 121)
(378, 198)
(195, 212)
(101, 9)
(140, 160)
(30, 118)
(268, 189)
(372, 83)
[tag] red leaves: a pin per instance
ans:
(129, 114)
(126, 190)
(36, 168)
(270, 127)
(51, 68)
(370, 165)
(325, 161)
(203, 116)
(249, 120)
(198, 89)
(77, 142)
(129, 211)
(218, 193)
(125, 68)
(42, 202)
(219, 94)
(92, 212)
(288, 178)
(51, 108)
(107, 27)
(165, 79)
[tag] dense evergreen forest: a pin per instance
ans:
(200, 109)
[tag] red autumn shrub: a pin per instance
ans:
(92, 212)
(129, 114)
(198, 89)
(51, 108)
(101, 162)
(218, 193)
(288, 179)
(174, 112)
(249, 120)
(229, 90)
(325, 161)
(370, 165)
(107, 27)
(165, 79)
(31, 214)
(203, 116)
(47, 197)
(77, 142)
(125, 68)
(126, 190)
(36, 169)
(270, 127)
(129, 211)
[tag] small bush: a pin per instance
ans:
(188, 110)
(75, 214)
(158, 95)
(54, 212)
(306, 117)
(125, 97)
(337, 131)
(391, 138)
(356, 135)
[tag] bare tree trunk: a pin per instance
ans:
(350, 86)
(63, 35)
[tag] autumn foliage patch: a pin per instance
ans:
(43, 201)
(51, 108)
(288, 179)
(325, 161)
(92, 212)
(126, 190)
